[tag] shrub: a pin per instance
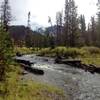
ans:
(62, 51)
(23, 50)
(72, 52)
(59, 50)
(92, 50)
(44, 52)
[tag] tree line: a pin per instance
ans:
(71, 30)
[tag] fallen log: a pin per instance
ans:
(24, 62)
(97, 69)
(26, 65)
(77, 63)
(71, 62)
(32, 69)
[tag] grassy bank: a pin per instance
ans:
(88, 55)
(16, 89)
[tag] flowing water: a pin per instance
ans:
(77, 83)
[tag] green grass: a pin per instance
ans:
(16, 89)
(92, 59)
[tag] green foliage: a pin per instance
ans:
(5, 52)
(92, 50)
(71, 52)
(44, 52)
(63, 51)
(23, 50)
(5, 43)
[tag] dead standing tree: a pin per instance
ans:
(59, 23)
(28, 37)
(51, 34)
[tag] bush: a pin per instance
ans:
(68, 52)
(92, 50)
(72, 52)
(44, 52)
(62, 51)
(23, 50)
(85, 52)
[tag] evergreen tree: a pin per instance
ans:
(93, 32)
(82, 26)
(5, 52)
(71, 23)
(6, 46)
(5, 14)
(98, 24)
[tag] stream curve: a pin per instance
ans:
(76, 83)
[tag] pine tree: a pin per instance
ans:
(93, 32)
(71, 23)
(98, 24)
(5, 52)
(5, 14)
(82, 26)
(6, 46)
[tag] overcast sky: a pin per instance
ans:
(41, 9)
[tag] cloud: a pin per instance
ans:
(41, 9)
(87, 7)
